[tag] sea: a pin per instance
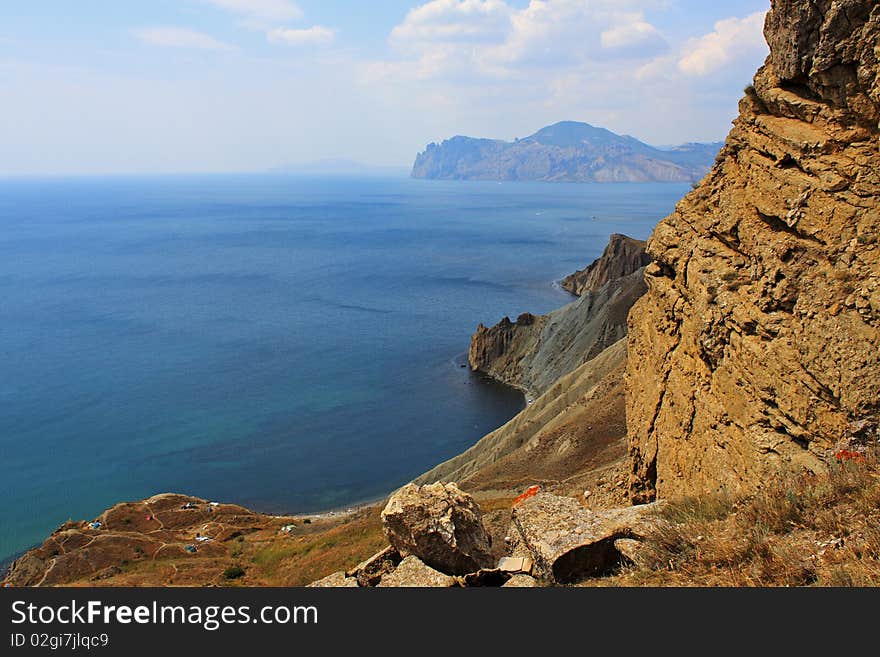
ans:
(289, 343)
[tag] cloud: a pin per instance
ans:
(733, 38)
(495, 39)
(312, 36)
(270, 16)
(180, 37)
(501, 68)
(633, 32)
(272, 11)
(453, 21)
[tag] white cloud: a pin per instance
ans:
(260, 10)
(312, 36)
(501, 69)
(454, 20)
(732, 39)
(180, 37)
(632, 32)
(492, 38)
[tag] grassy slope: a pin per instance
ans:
(819, 530)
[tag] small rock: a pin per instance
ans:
(336, 580)
(515, 564)
(412, 572)
(107, 573)
(487, 577)
(521, 581)
(371, 571)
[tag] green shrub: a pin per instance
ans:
(233, 572)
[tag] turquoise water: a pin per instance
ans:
(290, 344)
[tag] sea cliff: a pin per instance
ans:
(747, 416)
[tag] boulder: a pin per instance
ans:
(569, 542)
(441, 525)
(413, 572)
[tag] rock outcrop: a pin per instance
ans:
(757, 346)
(567, 151)
(535, 351)
(441, 525)
(623, 256)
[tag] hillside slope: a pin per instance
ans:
(571, 433)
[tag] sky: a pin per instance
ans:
(165, 86)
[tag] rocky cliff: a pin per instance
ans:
(757, 346)
(568, 151)
(535, 351)
(755, 350)
(623, 256)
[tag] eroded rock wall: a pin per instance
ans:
(757, 346)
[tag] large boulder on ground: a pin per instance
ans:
(441, 525)
(569, 542)
(414, 573)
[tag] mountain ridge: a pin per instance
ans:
(567, 151)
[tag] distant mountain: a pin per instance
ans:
(565, 152)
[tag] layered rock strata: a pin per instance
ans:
(757, 346)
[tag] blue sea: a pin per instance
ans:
(292, 344)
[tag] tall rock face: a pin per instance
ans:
(533, 352)
(757, 346)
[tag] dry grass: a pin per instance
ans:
(807, 530)
(304, 559)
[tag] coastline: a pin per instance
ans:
(344, 511)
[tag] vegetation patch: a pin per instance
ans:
(821, 530)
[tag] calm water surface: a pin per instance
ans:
(289, 344)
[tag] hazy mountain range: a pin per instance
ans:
(568, 151)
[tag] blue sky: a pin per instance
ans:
(94, 87)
